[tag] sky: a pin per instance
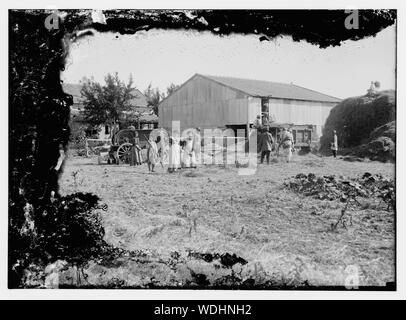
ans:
(162, 57)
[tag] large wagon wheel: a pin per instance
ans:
(123, 136)
(123, 152)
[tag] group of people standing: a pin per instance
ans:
(180, 153)
(267, 143)
(153, 151)
(184, 152)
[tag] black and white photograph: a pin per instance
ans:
(204, 149)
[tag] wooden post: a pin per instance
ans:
(213, 150)
(225, 151)
(87, 148)
(235, 148)
(248, 127)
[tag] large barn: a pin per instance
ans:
(223, 102)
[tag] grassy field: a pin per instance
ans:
(280, 234)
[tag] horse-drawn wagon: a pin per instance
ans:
(118, 149)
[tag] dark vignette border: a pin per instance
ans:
(39, 110)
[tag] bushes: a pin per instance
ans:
(68, 228)
(78, 136)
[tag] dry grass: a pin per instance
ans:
(215, 210)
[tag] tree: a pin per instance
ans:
(154, 97)
(171, 89)
(106, 103)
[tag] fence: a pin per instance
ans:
(224, 150)
(93, 145)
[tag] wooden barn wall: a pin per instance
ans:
(214, 114)
(300, 112)
(254, 108)
(204, 103)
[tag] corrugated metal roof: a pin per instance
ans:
(261, 88)
(74, 89)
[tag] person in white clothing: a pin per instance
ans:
(197, 145)
(334, 144)
(286, 142)
(174, 155)
(189, 158)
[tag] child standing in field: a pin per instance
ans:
(153, 153)
(174, 155)
(182, 144)
(197, 141)
(286, 143)
(189, 157)
(135, 155)
(334, 144)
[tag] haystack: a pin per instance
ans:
(365, 126)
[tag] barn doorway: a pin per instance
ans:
(236, 127)
(265, 111)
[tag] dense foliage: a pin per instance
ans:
(39, 116)
(154, 97)
(171, 89)
(106, 103)
(67, 228)
(70, 228)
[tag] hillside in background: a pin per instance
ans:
(365, 126)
